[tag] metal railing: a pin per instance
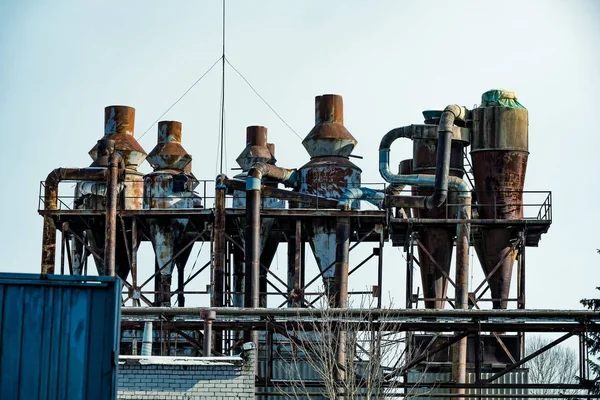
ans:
(510, 204)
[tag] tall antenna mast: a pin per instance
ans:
(223, 95)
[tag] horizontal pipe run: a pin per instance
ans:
(358, 312)
(359, 326)
(406, 201)
(282, 194)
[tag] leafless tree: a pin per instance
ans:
(559, 364)
(338, 355)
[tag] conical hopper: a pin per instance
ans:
(169, 186)
(119, 124)
(435, 255)
(499, 155)
(329, 173)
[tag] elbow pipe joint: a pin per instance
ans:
(351, 195)
(220, 181)
(449, 117)
(288, 177)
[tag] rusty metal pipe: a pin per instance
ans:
(116, 163)
(441, 181)
(459, 368)
(288, 177)
(51, 203)
(351, 195)
(450, 114)
(208, 316)
(282, 194)
(406, 201)
(252, 239)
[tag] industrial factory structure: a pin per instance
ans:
(463, 188)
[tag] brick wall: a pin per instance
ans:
(178, 378)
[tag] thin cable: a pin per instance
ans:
(182, 96)
(223, 94)
(264, 101)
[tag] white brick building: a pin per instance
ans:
(180, 378)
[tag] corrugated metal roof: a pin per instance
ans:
(59, 336)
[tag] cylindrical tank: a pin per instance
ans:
(328, 174)
(499, 152)
(171, 185)
(437, 241)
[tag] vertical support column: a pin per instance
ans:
(459, 367)
(63, 245)
(342, 255)
(522, 269)
(380, 267)
(228, 274)
(134, 270)
(110, 242)
(219, 247)
(295, 267)
(521, 286)
(220, 252)
(238, 276)
(48, 245)
(409, 270)
(269, 357)
(252, 246)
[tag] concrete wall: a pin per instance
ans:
(172, 378)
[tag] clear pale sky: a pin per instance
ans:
(64, 61)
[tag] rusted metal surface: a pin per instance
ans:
(272, 193)
(119, 123)
(295, 246)
(110, 242)
(219, 249)
(328, 174)
(459, 366)
(329, 137)
(499, 155)
(342, 254)
(168, 152)
(437, 240)
(51, 203)
(170, 186)
(257, 149)
(329, 177)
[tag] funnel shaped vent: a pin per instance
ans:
(257, 149)
(118, 126)
(329, 137)
(168, 152)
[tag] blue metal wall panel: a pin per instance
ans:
(59, 336)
